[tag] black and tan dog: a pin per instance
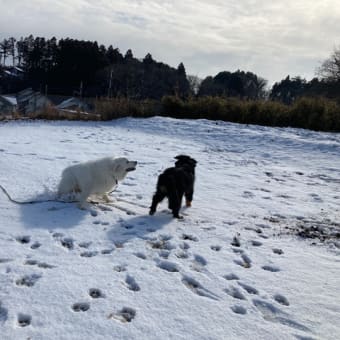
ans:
(174, 183)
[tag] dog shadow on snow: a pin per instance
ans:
(138, 227)
(51, 215)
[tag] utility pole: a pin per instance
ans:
(109, 92)
(81, 89)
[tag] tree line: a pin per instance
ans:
(85, 68)
(70, 67)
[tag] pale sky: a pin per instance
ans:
(272, 38)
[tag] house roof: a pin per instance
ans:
(70, 102)
(10, 99)
(57, 99)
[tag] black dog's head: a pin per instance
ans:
(184, 161)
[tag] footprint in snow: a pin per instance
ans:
(126, 314)
(248, 194)
(80, 307)
(94, 213)
(23, 239)
(198, 263)
(249, 289)
(200, 260)
(189, 237)
(96, 293)
(273, 314)
(35, 245)
(118, 244)
(89, 253)
(31, 262)
(256, 243)
(168, 266)
(197, 288)
(161, 244)
(182, 254)
(3, 314)
(120, 268)
(131, 283)
(28, 280)
(127, 226)
(235, 293)
(281, 299)
(231, 276)
(264, 236)
(24, 320)
(39, 264)
(2, 260)
(236, 241)
(129, 184)
(316, 197)
(45, 265)
(84, 244)
(208, 228)
(277, 251)
(184, 246)
(106, 251)
(165, 237)
(164, 254)
(238, 309)
(140, 255)
(245, 262)
(67, 242)
(271, 268)
(57, 236)
(238, 250)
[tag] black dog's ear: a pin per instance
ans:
(182, 157)
(186, 158)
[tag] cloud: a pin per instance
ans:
(270, 38)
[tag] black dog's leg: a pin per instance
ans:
(188, 197)
(175, 202)
(157, 198)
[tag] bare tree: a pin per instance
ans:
(11, 47)
(4, 50)
(194, 83)
(330, 68)
(260, 85)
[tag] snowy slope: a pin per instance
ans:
(117, 273)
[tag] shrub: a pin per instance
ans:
(112, 108)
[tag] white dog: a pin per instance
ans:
(97, 177)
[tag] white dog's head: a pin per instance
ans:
(121, 166)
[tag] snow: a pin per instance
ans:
(233, 268)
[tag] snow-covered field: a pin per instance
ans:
(234, 268)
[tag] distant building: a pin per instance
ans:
(74, 104)
(30, 101)
(8, 105)
(12, 72)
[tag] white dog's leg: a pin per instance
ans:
(83, 196)
(106, 198)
